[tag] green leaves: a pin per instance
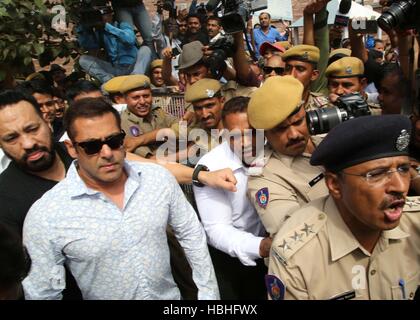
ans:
(26, 33)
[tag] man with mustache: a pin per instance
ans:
(362, 240)
(287, 181)
(107, 220)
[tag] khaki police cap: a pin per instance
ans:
(203, 89)
(341, 51)
(285, 44)
(114, 85)
(345, 67)
(302, 52)
(135, 81)
(156, 63)
(274, 101)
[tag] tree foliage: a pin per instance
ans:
(27, 32)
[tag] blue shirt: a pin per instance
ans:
(259, 37)
(113, 253)
(119, 41)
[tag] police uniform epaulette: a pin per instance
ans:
(412, 204)
(295, 234)
(320, 99)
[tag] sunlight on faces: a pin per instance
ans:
(26, 138)
(209, 111)
(303, 71)
(139, 102)
(342, 86)
(376, 205)
(105, 166)
(291, 136)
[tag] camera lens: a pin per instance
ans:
(323, 120)
(398, 15)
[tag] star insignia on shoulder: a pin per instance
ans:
(308, 229)
(285, 246)
(297, 237)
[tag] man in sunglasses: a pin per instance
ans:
(362, 240)
(302, 63)
(274, 67)
(287, 180)
(107, 220)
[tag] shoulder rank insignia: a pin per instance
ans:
(262, 197)
(287, 243)
(135, 131)
(412, 204)
(275, 287)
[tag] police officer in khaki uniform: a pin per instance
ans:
(360, 242)
(345, 76)
(192, 63)
(287, 181)
(207, 100)
(301, 62)
(142, 120)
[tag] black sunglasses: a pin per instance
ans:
(92, 147)
(278, 70)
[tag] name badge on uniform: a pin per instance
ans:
(315, 180)
(135, 131)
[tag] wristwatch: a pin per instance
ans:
(197, 170)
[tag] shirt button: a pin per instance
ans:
(372, 273)
(321, 216)
(411, 295)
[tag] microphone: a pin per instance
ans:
(342, 16)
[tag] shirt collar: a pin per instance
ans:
(78, 187)
(341, 239)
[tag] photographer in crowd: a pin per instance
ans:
(120, 44)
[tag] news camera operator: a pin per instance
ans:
(98, 30)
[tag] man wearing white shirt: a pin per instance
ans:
(234, 231)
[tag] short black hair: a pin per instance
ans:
(10, 97)
(81, 86)
(88, 108)
(388, 69)
(378, 41)
(235, 105)
(193, 15)
(15, 262)
(36, 86)
(215, 18)
(265, 12)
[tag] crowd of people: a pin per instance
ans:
(304, 161)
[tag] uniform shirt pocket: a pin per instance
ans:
(407, 291)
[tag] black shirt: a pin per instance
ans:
(19, 190)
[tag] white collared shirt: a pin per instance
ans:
(231, 223)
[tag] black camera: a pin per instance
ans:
(347, 107)
(222, 49)
(235, 12)
(402, 14)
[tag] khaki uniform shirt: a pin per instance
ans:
(156, 119)
(291, 183)
(316, 101)
(316, 256)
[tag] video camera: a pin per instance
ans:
(236, 12)
(222, 49)
(347, 107)
(402, 14)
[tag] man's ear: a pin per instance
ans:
(333, 184)
(315, 75)
(71, 149)
(363, 82)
